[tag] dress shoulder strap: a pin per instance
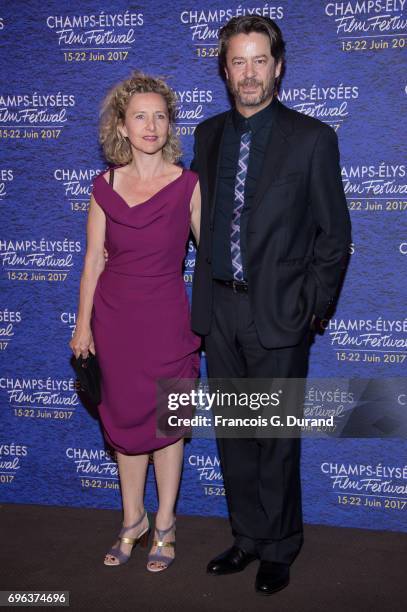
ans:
(111, 176)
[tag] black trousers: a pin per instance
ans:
(261, 476)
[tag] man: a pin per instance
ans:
(274, 239)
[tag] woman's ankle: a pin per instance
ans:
(133, 516)
(164, 520)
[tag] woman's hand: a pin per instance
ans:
(82, 342)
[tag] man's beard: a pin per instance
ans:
(252, 99)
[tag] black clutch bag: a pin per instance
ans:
(88, 373)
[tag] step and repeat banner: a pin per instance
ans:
(345, 66)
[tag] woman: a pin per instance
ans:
(134, 309)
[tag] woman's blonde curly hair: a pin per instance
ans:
(117, 149)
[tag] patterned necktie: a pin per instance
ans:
(242, 164)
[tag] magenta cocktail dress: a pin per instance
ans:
(141, 315)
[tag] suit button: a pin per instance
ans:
(211, 226)
(208, 260)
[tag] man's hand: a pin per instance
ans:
(316, 325)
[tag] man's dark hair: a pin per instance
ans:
(246, 25)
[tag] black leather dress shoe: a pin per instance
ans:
(272, 577)
(231, 561)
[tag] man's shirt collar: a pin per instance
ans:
(257, 121)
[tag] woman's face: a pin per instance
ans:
(146, 123)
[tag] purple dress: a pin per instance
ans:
(141, 316)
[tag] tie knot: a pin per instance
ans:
(246, 137)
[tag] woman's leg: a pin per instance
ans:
(132, 472)
(168, 467)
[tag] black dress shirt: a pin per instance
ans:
(260, 127)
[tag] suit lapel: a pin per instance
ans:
(214, 147)
(278, 147)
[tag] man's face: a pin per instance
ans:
(251, 70)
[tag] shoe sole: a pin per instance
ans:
(225, 573)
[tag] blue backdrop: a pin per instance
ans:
(345, 67)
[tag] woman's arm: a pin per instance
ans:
(195, 208)
(94, 264)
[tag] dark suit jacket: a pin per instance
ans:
(298, 231)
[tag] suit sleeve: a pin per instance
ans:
(330, 212)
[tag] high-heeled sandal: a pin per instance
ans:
(158, 557)
(121, 556)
